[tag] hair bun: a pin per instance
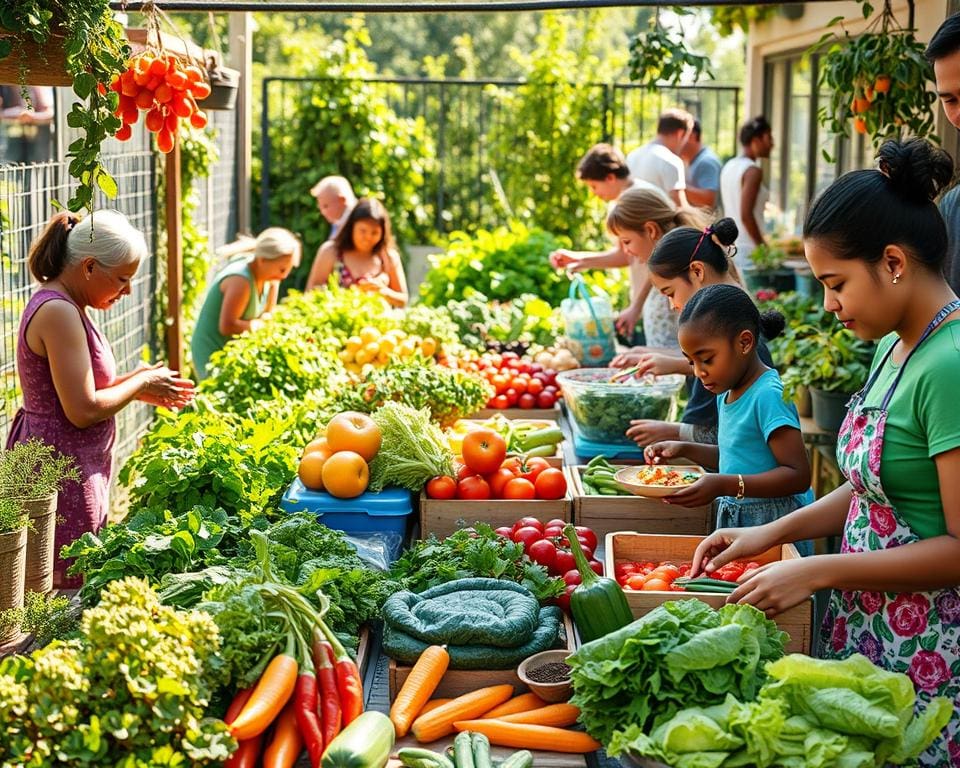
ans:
(726, 231)
(918, 171)
(772, 324)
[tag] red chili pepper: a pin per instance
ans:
(308, 720)
(247, 754)
(349, 683)
(329, 697)
(236, 706)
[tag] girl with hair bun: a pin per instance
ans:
(763, 469)
(71, 390)
(877, 243)
(243, 294)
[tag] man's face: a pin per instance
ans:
(331, 204)
(947, 74)
(607, 189)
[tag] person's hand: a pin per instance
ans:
(776, 587)
(164, 387)
(659, 364)
(704, 491)
(645, 432)
(265, 317)
(562, 258)
(627, 320)
(728, 544)
(626, 359)
(666, 449)
(256, 324)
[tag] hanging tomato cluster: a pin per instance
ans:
(166, 90)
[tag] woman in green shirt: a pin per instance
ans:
(877, 243)
(243, 294)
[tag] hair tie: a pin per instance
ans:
(884, 168)
(706, 231)
(72, 221)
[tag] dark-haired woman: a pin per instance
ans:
(896, 597)
(71, 390)
(363, 254)
(763, 469)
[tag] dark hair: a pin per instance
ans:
(945, 40)
(48, 253)
(863, 212)
(673, 120)
(730, 310)
(366, 209)
(695, 131)
(677, 249)
(600, 161)
(754, 129)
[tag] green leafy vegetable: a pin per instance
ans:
(412, 451)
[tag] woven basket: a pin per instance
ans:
(40, 544)
(13, 547)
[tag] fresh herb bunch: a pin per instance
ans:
(12, 516)
(474, 552)
(131, 689)
(46, 617)
(34, 469)
(412, 451)
(448, 394)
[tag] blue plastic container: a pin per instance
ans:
(368, 516)
(588, 449)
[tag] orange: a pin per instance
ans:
(345, 474)
(882, 84)
(860, 125)
(311, 470)
(353, 431)
(319, 445)
(861, 105)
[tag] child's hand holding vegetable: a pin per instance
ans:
(656, 453)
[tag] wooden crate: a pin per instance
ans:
(441, 517)
(624, 546)
(457, 682)
(606, 514)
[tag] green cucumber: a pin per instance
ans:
(541, 437)
(597, 461)
(708, 585)
(365, 743)
(463, 750)
(521, 759)
(481, 751)
(589, 489)
(542, 450)
(414, 757)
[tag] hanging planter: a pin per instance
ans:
(224, 86)
(46, 64)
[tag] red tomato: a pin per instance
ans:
(555, 523)
(124, 133)
(544, 553)
(520, 384)
(464, 472)
(442, 487)
(552, 532)
(597, 567)
(500, 383)
(564, 600)
(551, 484)
(586, 533)
(518, 488)
(585, 548)
(474, 487)
(658, 585)
(165, 140)
(513, 464)
(684, 569)
(535, 387)
(532, 522)
(500, 402)
(527, 401)
(484, 451)
(573, 577)
(505, 532)
(533, 467)
(509, 356)
(526, 536)
(536, 368)
(636, 581)
(565, 561)
(551, 375)
(498, 480)
(546, 400)
(623, 570)
(513, 396)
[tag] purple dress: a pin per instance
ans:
(82, 506)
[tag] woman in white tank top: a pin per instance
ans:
(742, 189)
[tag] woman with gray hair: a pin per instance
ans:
(71, 390)
(243, 293)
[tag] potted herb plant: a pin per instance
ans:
(33, 473)
(767, 271)
(13, 545)
(834, 366)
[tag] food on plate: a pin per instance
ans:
(665, 478)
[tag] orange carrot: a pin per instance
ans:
(522, 703)
(270, 695)
(418, 688)
(286, 744)
(432, 705)
(557, 715)
(439, 722)
(524, 736)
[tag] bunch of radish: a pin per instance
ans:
(166, 90)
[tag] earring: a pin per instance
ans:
(896, 278)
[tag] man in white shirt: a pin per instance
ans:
(742, 189)
(659, 162)
(335, 200)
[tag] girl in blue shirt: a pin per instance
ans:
(763, 468)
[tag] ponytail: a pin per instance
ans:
(726, 310)
(48, 254)
(678, 249)
(640, 205)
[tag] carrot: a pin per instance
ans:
(247, 754)
(329, 698)
(418, 687)
(439, 722)
(432, 705)
(349, 683)
(522, 703)
(524, 736)
(286, 744)
(240, 700)
(271, 693)
(558, 715)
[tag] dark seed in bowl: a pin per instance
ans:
(554, 672)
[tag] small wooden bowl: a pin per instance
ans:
(626, 477)
(551, 692)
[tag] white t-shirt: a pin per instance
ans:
(656, 164)
(731, 191)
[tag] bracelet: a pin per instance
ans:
(740, 488)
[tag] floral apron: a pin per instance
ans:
(914, 633)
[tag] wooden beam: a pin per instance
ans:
(44, 66)
(174, 259)
(241, 58)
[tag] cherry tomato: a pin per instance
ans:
(505, 532)
(658, 585)
(527, 536)
(442, 487)
(532, 522)
(513, 396)
(573, 577)
(564, 600)
(544, 553)
(565, 561)
(500, 383)
(474, 487)
(534, 387)
(519, 384)
(124, 133)
(624, 570)
(636, 581)
(519, 488)
(546, 400)
(500, 402)
(551, 484)
(597, 567)
(586, 533)
(527, 401)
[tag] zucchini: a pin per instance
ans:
(521, 759)
(463, 750)
(365, 743)
(414, 757)
(541, 450)
(540, 437)
(481, 751)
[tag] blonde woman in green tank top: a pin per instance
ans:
(242, 294)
